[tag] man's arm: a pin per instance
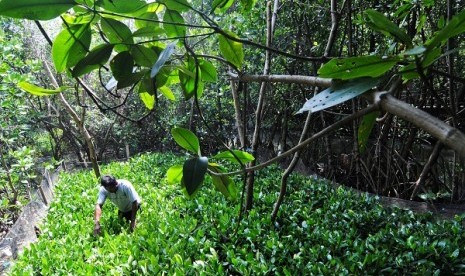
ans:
(135, 207)
(98, 213)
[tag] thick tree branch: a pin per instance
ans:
(297, 79)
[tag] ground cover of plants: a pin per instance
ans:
(321, 230)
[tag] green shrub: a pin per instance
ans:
(320, 230)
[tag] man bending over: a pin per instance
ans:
(123, 195)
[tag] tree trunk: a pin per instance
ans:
(79, 123)
(261, 99)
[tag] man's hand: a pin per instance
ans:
(98, 213)
(97, 230)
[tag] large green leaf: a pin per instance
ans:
(35, 9)
(143, 56)
(149, 19)
(147, 91)
(174, 174)
(365, 128)
(356, 67)
(224, 184)
(243, 156)
(173, 23)
(130, 79)
(378, 22)
(338, 93)
(121, 6)
(96, 58)
(188, 85)
(117, 33)
(455, 26)
(70, 46)
(186, 139)
(152, 32)
(176, 5)
(193, 174)
(122, 65)
(208, 71)
(38, 91)
(231, 50)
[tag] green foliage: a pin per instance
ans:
(194, 169)
(224, 184)
(208, 70)
(321, 230)
(177, 5)
(220, 6)
(70, 46)
(455, 27)
(353, 68)
(174, 24)
(189, 78)
(93, 60)
(18, 142)
(131, 52)
(43, 143)
(35, 9)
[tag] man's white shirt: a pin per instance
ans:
(123, 198)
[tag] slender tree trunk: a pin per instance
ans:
(80, 123)
(261, 100)
(237, 113)
(334, 26)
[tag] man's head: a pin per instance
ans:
(109, 183)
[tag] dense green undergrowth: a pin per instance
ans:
(321, 230)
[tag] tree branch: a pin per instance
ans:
(296, 79)
(448, 135)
